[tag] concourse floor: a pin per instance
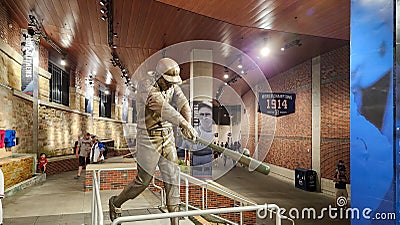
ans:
(267, 189)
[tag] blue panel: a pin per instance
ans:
(9, 139)
(371, 109)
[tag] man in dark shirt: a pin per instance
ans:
(340, 180)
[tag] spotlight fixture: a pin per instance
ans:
(114, 46)
(296, 42)
(103, 2)
(115, 35)
(226, 73)
(104, 17)
(103, 10)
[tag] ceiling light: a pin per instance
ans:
(265, 51)
(114, 46)
(226, 76)
(115, 34)
(282, 49)
(103, 10)
(106, 92)
(62, 62)
(240, 66)
(242, 72)
(104, 17)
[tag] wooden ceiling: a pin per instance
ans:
(145, 27)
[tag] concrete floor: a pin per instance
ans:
(61, 200)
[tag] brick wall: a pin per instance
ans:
(117, 180)
(335, 110)
(16, 169)
(291, 146)
(56, 166)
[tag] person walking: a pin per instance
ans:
(82, 152)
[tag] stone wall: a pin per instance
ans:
(16, 169)
(59, 125)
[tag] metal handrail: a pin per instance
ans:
(97, 210)
(97, 214)
(199, 213)
(202, 183)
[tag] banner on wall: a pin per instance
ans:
(30, 62)
(276, 104)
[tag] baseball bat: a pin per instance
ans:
(245, 160)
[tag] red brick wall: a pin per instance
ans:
(291, 146)
(335, 110)
(59, 166)
(12, 35)
(117, 180)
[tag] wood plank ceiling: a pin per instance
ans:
(147, 26)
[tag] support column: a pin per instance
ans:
(96, 105)
(316, 118)
(257, 89)
(201, 89)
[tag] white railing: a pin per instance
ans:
(97, 210)
(206, 185)
(199, 213)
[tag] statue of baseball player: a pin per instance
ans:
(155, 138)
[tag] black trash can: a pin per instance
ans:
(305, 179)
